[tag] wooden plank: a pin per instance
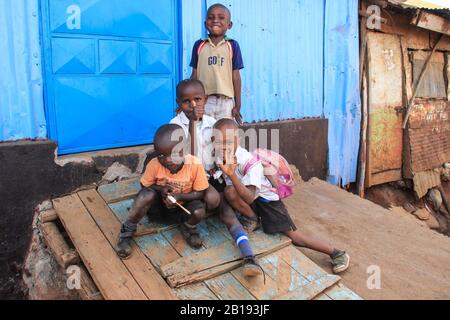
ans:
(432, 22)
(109, 273)
(88, 290)
(151, 283)
(226, 287)
(48, 216)
(311, 271)
(227, 252)
(215, 222)
(287, 277)
(145, 227)
(176, 239)
(211, 235)
(203, 275)
(158, 250)
(118, 191)
(195, 292)
(310, 290)
(282, 281)
(64, 255)
(256, 285)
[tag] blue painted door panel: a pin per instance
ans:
(111, 70)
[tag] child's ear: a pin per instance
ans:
(230, 25)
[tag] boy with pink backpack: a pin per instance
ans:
(256, 185)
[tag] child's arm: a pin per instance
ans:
(247, 193)
(194, 75)
(188, 197)
(237, 85)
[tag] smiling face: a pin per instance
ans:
(218, 21)
(225, 141)
(192, 100)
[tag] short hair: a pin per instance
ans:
(188, 82)
(164, 134)
(226, 123)
(219, 5)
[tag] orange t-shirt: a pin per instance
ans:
(191, 177)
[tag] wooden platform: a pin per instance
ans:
(164, 267)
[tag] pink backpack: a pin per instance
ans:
(275, 166)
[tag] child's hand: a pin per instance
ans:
(236, 113)
(229, 167)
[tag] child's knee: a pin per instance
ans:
(146, 196)
(212, 198)
(231, 194)
(199, 214)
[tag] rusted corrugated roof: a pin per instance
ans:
(423, 4)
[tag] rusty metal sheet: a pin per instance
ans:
(447, 63)
(429, 136)
(433, 83)
(385, 134)
(426, 180)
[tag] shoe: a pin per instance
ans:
(249, 225)
(123, 248)
(191, 236)
(340, 262)
(251, 268)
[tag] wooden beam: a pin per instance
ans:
(66, 257)
(151, 283)
(312, 289)
(108, 271)
(48, 216)
(58, 246)
(432, 22)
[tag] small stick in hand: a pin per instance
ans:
(174, 201)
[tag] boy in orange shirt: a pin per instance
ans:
(170, 174)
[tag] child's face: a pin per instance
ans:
(192, 102)
(218, 21)
(170, 157)
(225, 142)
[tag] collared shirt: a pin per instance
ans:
(215, 65)
(190, 178)
(254, 177)
(204, 133)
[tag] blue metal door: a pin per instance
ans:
(111, 68)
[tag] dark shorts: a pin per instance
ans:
(274, 216)
(160, 213)
(219, 186)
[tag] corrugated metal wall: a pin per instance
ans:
(302, 60)
(22, 113)
(342, 105)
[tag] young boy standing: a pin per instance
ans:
(251, 194)
(174, 174)
(191, 99)
(216, 62)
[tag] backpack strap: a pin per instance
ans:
(200, 48)
(227, 42)
(250, 164)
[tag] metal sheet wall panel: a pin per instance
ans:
(301, 60)
(22, 113)
(282, 47)
(342, 105)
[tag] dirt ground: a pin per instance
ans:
(414, 260)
